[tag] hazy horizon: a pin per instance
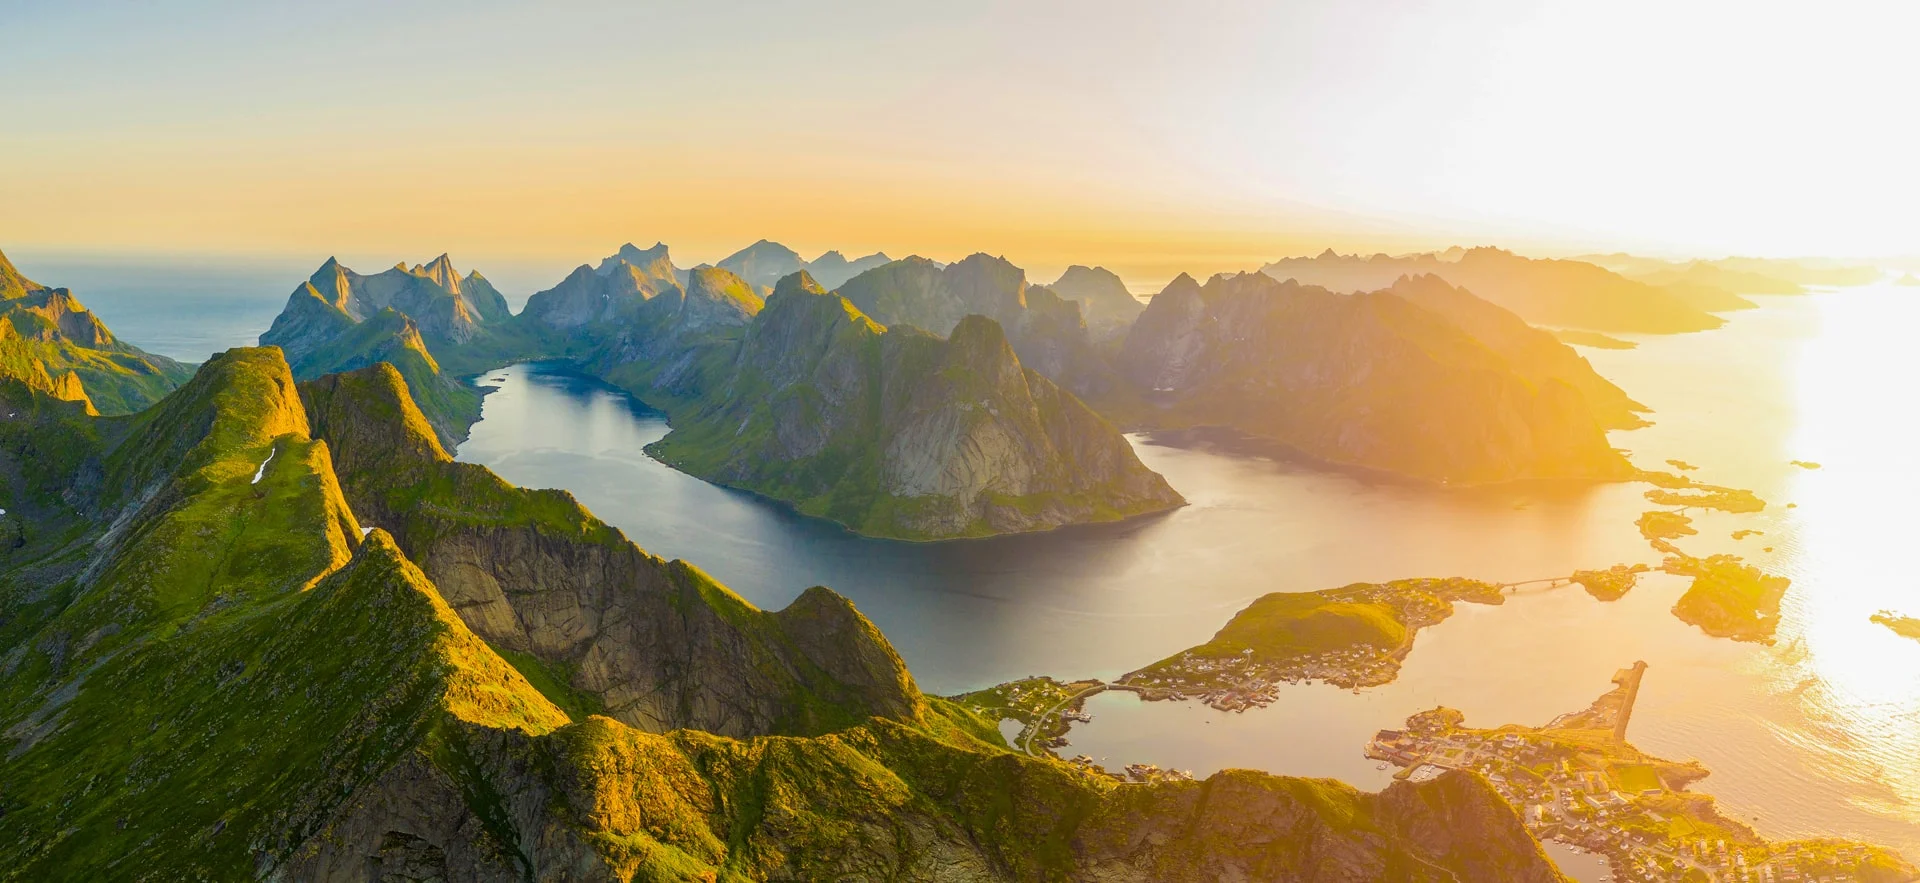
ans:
(1148, 140)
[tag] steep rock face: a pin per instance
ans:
(1048, 330)
(658, 644)
(446, 308)
(1104, 300)
(1537, 355)
(1560, 293)
(833, 269)
(597, 295)
(898, 433)
(1369, 380)
(340, 320)
(52, 343)
(763, 263)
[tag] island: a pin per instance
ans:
(1904, 626)
(1659, 525)
(1611, 584)
(1804, 464)
(1728, 598)
(1354, 636)
(1578, 780)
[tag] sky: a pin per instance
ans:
(1150, 137)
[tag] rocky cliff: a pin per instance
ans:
(1369, 380)
(340, 320)
(899, 433)
(656, 644)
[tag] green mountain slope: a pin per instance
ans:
(52, 343)
(215, 675)
(656, 644)
(340, 320)
(899, 433)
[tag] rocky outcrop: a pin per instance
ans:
(448, 309)
(1368, 380)
(1560, 293)
(899, 433)
(657, 644)
(340, 320)
(592, 296)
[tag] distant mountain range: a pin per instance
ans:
(1421, 378)
(1558, 293)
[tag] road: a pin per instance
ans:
(1026, 736)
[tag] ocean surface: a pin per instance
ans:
(1817, 734)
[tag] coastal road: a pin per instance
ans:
(1026, 738)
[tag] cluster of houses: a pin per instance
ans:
(1240, 682)
(1560, 800)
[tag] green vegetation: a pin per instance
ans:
(214, 676)
(889, 431)
(53, 344)
(1729, 599)
(1352, 636)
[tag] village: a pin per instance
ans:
(1252, 679)
(1577, 782)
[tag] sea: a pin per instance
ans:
(1817, 734)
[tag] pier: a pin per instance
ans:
(1628, 679)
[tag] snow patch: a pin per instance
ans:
(262, 471)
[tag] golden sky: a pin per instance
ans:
(1149, 137)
